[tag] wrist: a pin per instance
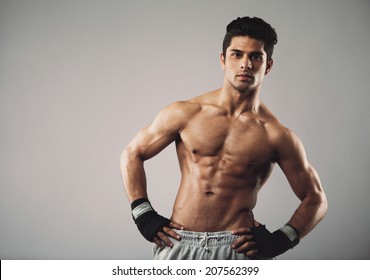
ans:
(291, 233)
(139, 207)
(138, 201)
(148, 221)
(273, 244)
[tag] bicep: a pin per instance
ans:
(159, 134)
(301, 175)
(150, 141)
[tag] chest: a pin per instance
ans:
(245, 138)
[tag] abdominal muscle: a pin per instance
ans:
(213, 206)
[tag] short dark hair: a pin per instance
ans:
(254, 27)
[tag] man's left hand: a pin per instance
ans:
(244, 243)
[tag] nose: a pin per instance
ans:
(246, 64)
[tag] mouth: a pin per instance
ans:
(244, 77)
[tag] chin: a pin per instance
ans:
(243, 88)
(244, 91)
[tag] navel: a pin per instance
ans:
(250, 164)
(209, 193)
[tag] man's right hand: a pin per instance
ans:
(152, 226)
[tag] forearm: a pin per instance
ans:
(152, 226)
(309, 213)
(133, 175)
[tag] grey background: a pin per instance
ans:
(79, 78)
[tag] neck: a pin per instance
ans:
(239, 102)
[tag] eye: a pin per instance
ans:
(236, 54)
(256, 57)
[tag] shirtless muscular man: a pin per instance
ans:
(227, 143)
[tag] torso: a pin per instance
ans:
(224, 161)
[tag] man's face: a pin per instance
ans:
(245, 64)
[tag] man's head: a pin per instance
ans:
(253, 27)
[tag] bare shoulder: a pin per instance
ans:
(279, 134)
(180, 111)
(185, 107)
(209, 98)
(175, 116)
(189, 108)
(283, 139)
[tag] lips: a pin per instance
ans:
(244, 76)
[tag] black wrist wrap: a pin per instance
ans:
(270, 245)
(148, 221)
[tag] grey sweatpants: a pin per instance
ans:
(200, 246)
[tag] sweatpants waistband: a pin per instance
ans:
(207, 239)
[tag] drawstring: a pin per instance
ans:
(204, 239)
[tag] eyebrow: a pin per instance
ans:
(236, 50)
(252, 53)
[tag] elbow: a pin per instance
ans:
(318, 202)
(124, 156)
(323, 204)
(128, 155)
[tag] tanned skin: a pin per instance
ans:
(227, 143)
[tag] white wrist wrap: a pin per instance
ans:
(289, 232)
(141, 209)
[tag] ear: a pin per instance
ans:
(222, 61)
(269, 66)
